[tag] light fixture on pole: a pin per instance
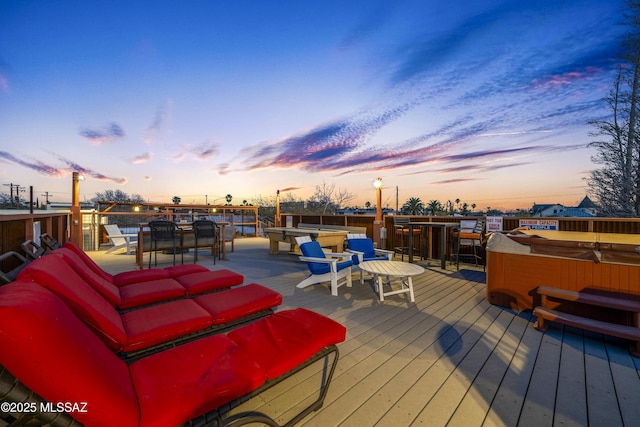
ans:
(76, 177)
(378, 229)
(378, 185)
(75, 234)
(277, 216)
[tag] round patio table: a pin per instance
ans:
(392, 270)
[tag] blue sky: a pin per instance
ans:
(488, 101)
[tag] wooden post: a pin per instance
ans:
(75, 233)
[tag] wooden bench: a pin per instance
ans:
(621, 331)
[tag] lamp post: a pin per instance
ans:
(75, 234)
(378, 186)
(377, 223)
(277, 216)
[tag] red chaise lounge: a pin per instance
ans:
(57, 359)
(195, 278)
(146, 328)
(146, 292)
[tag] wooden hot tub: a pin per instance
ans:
(602, 263)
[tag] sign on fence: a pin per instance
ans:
(494, 224)
(540, 224)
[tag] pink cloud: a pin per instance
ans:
(142, 158)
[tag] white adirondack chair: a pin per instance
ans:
(324, 266)
(119, 240)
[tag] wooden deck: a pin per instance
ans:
(449, 359)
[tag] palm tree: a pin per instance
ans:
(434, 207)
(413, 206)
(176, 200)
(464, 210)
(449, 207)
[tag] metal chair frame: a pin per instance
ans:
(400, 225)
(465, 240)
(163, 231)
(206, 229)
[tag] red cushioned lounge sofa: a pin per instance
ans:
(60, 370)
(148, 328)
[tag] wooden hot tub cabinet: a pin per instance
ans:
(597, 263)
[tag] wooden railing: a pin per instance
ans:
(601, 225)
(17, 228)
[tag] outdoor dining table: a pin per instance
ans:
(183, 228)
(443, 226)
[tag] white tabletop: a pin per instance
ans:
(391, 268)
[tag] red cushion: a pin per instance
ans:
(182, 383)
(103, 286)
(182, 269)
(284, 340)
(137, 294)
(205, 281)
(53, 273)
(120, 279)
(164, 322)
(87, 260)
(135, 276)
(51, 351)
(233, 304)
(469, 235)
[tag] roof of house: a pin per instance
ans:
(586, 203)
(575, 212)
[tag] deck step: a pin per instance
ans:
(622, 331)
(616, 303)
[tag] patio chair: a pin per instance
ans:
(324, 266)
(362, 247)
(163, 231)
(32, 250)
(205, 234)
(12, 263)
(402, 234)
(119, 240)
(49, 242)
(229, 236)
(468, 241)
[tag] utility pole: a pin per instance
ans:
(10, 185)
(15, 199)
(46, 196)
(18, 191)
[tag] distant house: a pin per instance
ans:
(586, 209)
(545, 210)
(586, 205)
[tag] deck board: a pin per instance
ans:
(449, 359)
(602, 407)
(571, 396)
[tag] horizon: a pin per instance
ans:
(487, 103)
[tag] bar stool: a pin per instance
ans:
(402, 232)
(164, 231)
(206, 234)
(469, 238)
